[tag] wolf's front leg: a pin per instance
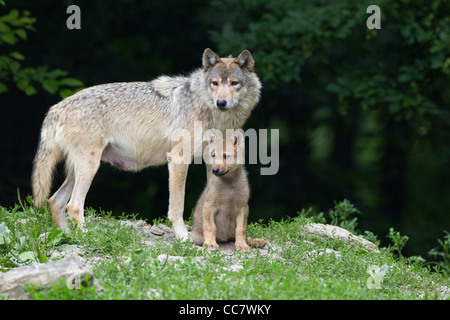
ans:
(177, 183)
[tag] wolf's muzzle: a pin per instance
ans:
(221, 104)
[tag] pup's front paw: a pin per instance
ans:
(211, 245)
(242, 246)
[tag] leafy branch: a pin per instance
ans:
(14, 27)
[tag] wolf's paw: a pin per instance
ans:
(181, 232)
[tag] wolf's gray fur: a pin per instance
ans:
(130, 125)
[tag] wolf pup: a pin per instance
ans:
(130, 125)
(222, 210)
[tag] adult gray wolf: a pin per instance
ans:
(222, 210)
(130, 126)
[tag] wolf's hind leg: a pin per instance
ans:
(85, 168)
(59, 200)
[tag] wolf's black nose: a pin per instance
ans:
(221, 104)
(215, 170)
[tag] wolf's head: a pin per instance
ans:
(227, 78)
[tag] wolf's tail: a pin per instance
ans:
(47, 157)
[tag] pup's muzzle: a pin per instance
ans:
(217, 172)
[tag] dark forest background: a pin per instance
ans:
(363, 114)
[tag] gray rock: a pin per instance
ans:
(334, 232)
(13, 283)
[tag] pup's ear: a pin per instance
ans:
(212, 138)
(245, 61)
(238, 138)
(210, 58)
(212, 135)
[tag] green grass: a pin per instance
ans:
(130, 269)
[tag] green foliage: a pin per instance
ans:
(14, 27)
(59, 291)
(442, 254)
(398, 241)
(28, 240)
(340, 215)
(395, 68)
(296, 265)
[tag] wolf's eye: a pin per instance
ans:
(214, 83)
(234, 83)
(213, 155)
(226, 156)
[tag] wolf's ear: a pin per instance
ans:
(245, 61)
(210, 58)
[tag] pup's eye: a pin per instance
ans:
(226, 156)
(213, 155)
(214, 83)
(234, 83)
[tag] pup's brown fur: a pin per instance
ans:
(222, 210)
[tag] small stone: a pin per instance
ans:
(315, 253)
(165, 228)
(141, 224)
(156, 231)
(234, 267)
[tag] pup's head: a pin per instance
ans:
(227, 78)
(226, 154)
